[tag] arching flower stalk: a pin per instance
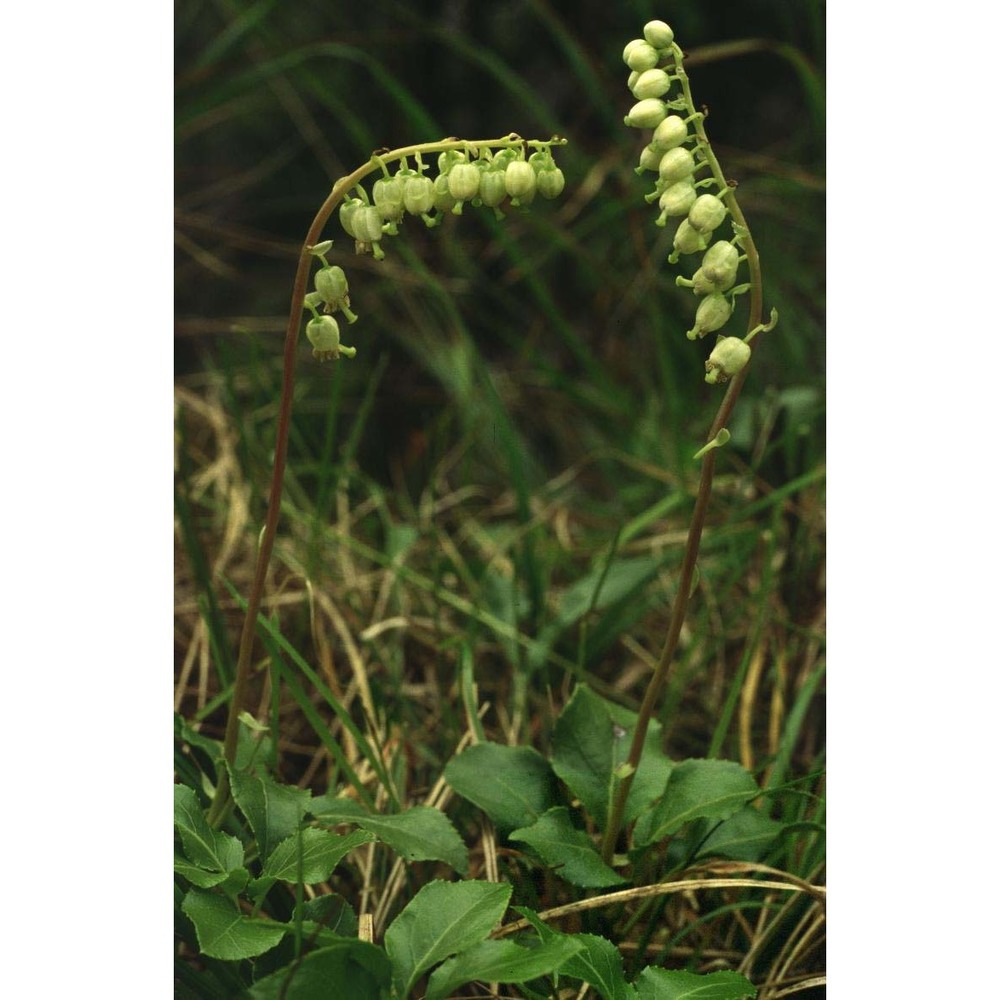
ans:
(524, 165)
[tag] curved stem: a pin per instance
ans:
(702, 498)
(242, 682)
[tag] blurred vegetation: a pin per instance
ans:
(500, 481)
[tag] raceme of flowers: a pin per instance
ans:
(675, 153)
(477, 174)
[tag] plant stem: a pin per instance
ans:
(697, 525)
(242, 682)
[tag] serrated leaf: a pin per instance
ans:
(321, 851)
(599, 963)
(500, 962)
(442, 918)
(274, 811)
(418, 834)
(745, 836)
(592, 738)
(224, 932)
(697, 789)
(333, 913)
(204, 847)
(568, 850)
(198, 876)
(512, 785)
(671, 984)
(348, 968)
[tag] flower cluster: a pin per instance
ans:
(330, 296)
(480, 173)
(476, 174)
(677, 154)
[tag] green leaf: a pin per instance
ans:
(746, 836)
(274, 811)
(561, 846)
(224, 932)
(321, 852)
(442, 918)
(418, 834)
(333, 913)
(654, 766)
(599, 963)
(348, 968)
(671, 984)
(512, 785)
(709, 789)
(592, 737)
(198, 876)
(582, 751)
(204, 847)
(500, 962)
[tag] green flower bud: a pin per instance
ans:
(687, 239)
(713, 314)
(551, 182)
(649, 158)
(720, 263)
(387, 193)
(659, 34)
(348, 209)
(448, 159)
(367, 224)
(519, 179)
(672, 131)
(729, 356)
(677, 199)
(324, 335)
(707, 213)
(463, 181)
(651, 83)
(418, 195)
(492, 188)
(331, 283)
(632, 77)
(444, 201)
(640, 55)
(646, 114)
(675, 165)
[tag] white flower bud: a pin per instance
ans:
(640, 55)
(707, 213)
(729, 356)
(671, 132)
(651, 83)
(646, 114)
(675, 165)
(659, 34)
(713, 314)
